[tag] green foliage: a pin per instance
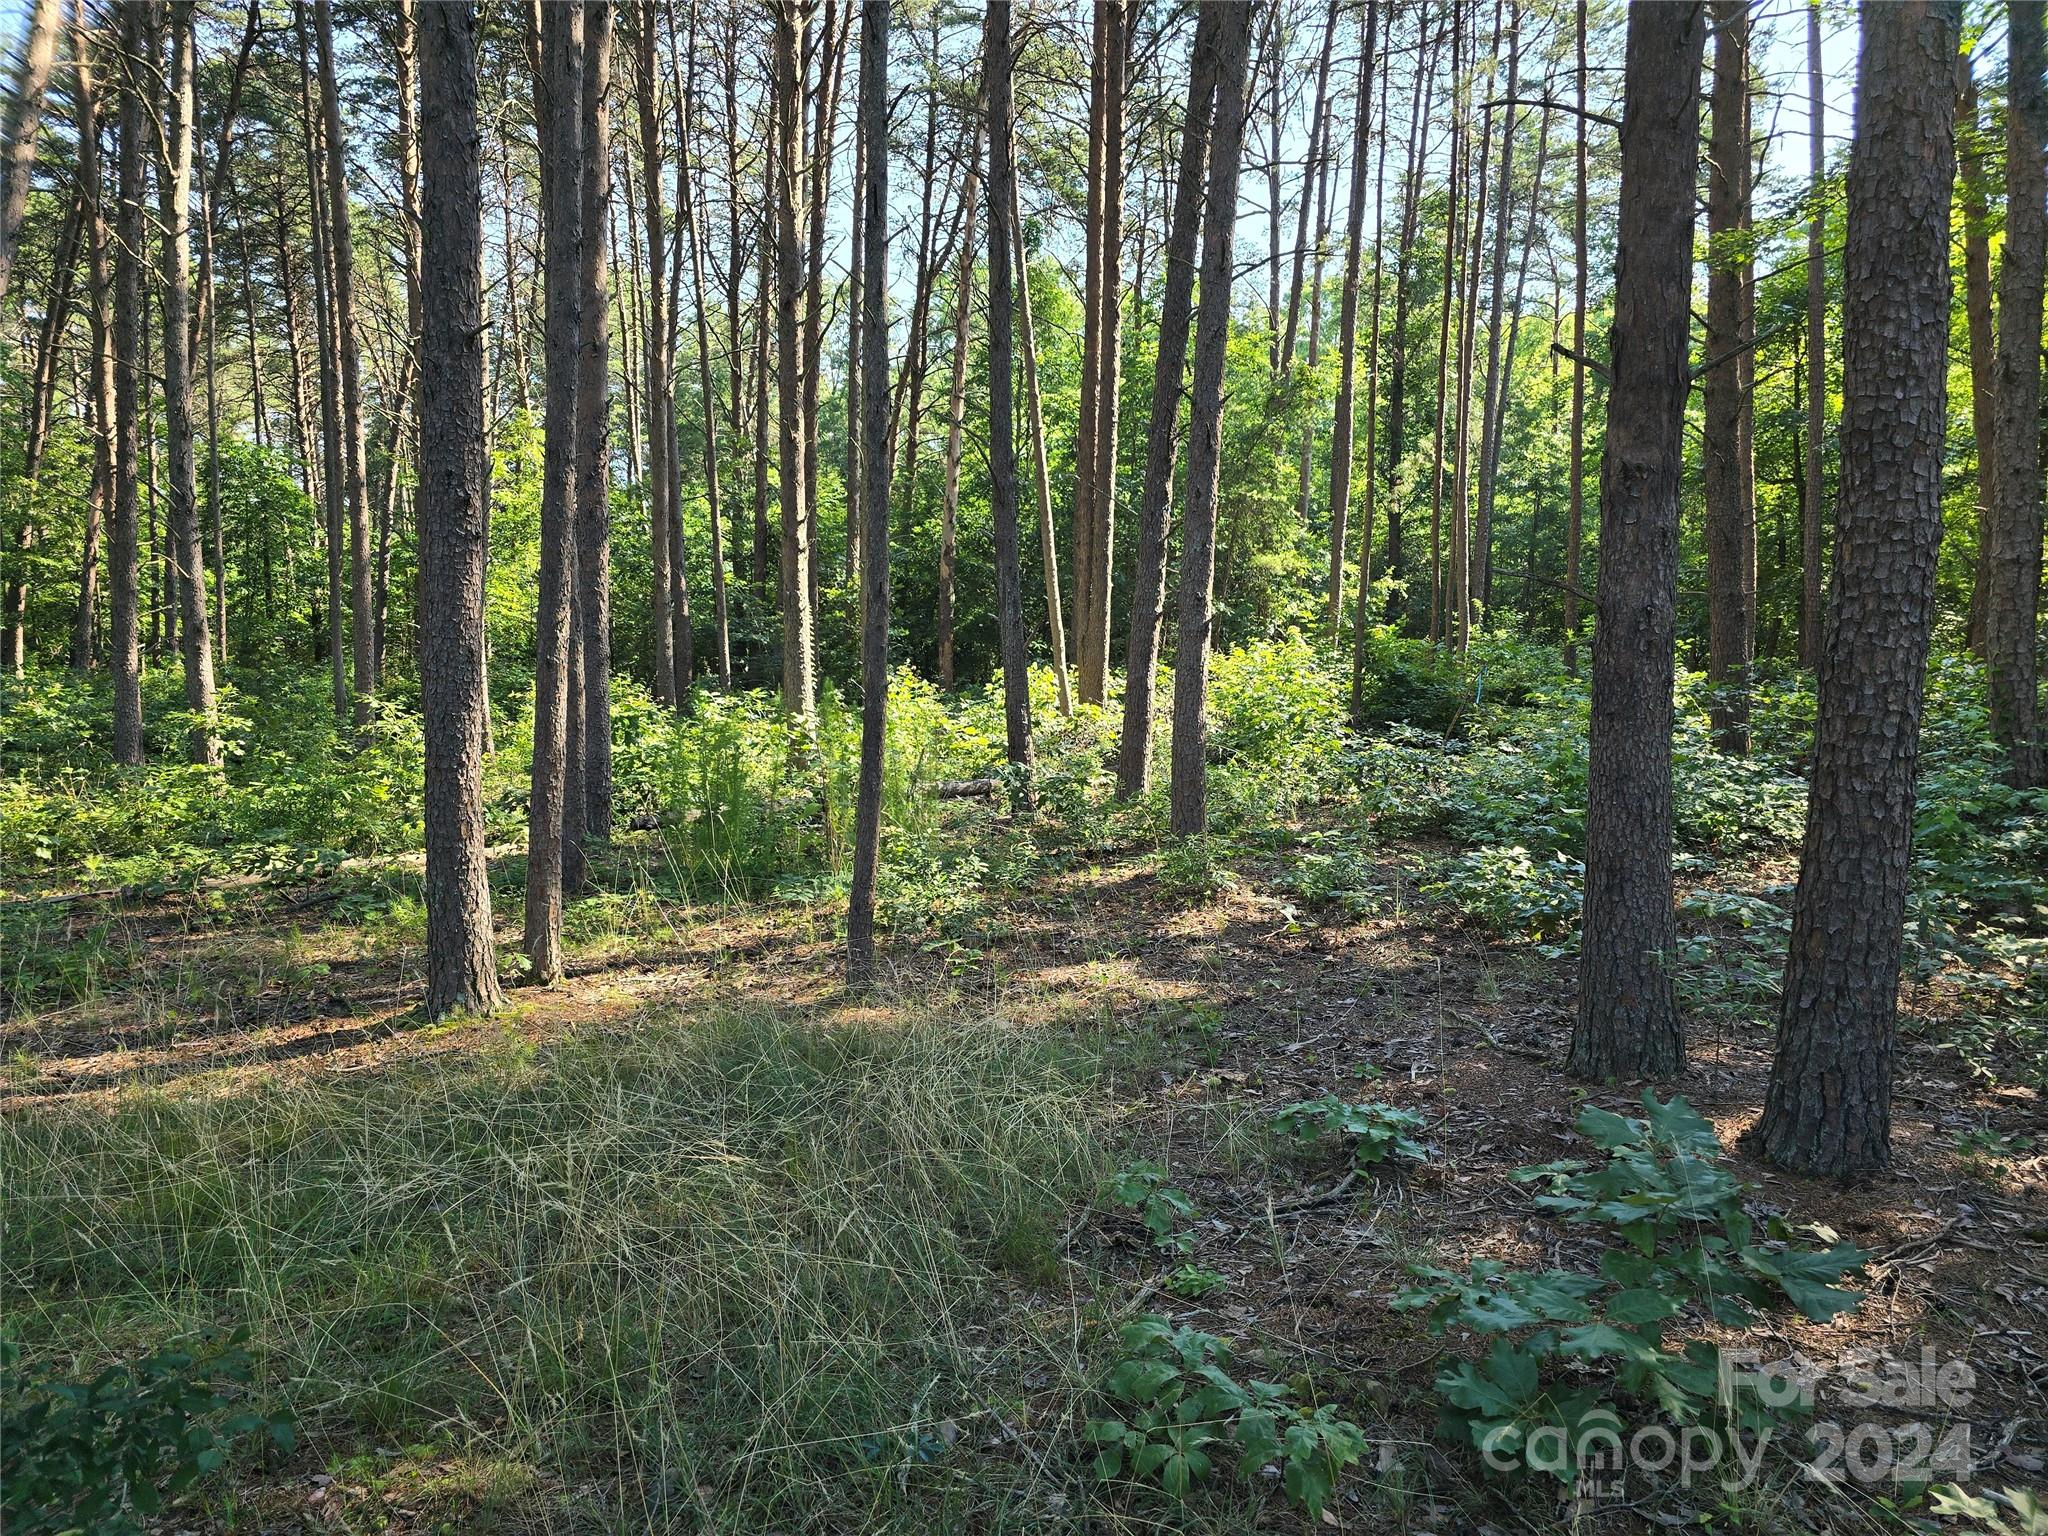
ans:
(98, 1456)
(1517, 894)
(1373, 1132)
(1681, 1242)
(1141, 1186)
(1174, 1408)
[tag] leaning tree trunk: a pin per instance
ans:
(1727, 467)
(18, 131)
(871, 186)
(558, 106)
(1189, 811)
(1628, 1019)
(1002, 423)
(2013, 590)
(1828, 1110)
(1162, 432)
(174, 193)
(454, 530)
(956, 400)
(1048, 550)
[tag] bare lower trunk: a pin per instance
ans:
(792, 19)
(1162, 433)
(1828, 1110)
(1189, 812)
(454, 534)
(593, 461)
(2013, 587)
(1727, 467)
(1628, 1018)
(1344, 428)
(124, 641)
(956, 400)
(1048, 550)
(558, 111)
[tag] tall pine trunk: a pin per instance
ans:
(453, 508)
(1628, 1023)
(792, 20)
(1189, 814)
(1828, 1110)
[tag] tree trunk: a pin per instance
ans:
(871, 366)
(1189, 810)
(23, 113)
(174, 195)
(124, 641)
(100, 289)
(1362, 617)
(454, 492)
(654, 351)
(558, 104)
(1983, 344)
(1495, 389)
(721, 617)
(792, 22)
(1048, 550)
(1109, 364)
(1162, 431)
(593, 418)
(2013, 589)
(42, 392)
(362, 633)
(1727, 464)
(1314, 173)
(1002, 423)
(1454, 226)
(1628, 1019)
(1464, 559)
(1344, 428)
(956, 400)
(1828, 1110)
(1419, 102)
(1814, 510)
(1575, 515)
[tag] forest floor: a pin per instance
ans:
(1204, 1012)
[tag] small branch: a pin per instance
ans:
(1598, 370)
(1549, 105)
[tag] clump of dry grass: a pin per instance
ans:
(736, 1272)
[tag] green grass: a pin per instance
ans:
(744, 1273)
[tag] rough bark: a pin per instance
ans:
(872, 365)
(714, 512)
(792, 20)
(1495, 388)
(1727, 459)
(454, 491)
(174, 196)
(24, 112)
(654, 353)
(1094, 657)
(956, 402)
(1002, 424)
(100, 290)
(124, 575)
(2013, 587)
(593, 417)
(1828, 1110)
(1813, 510)
(1344, 428)
(1628, 1023)
(1189, 805)
(354, 451)
(558, 101)
(1162, 431)
(1575, 515)
(1977, 311)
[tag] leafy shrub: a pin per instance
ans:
(90, 1456)
(1517, 894)
(1173, 1407)
(1681, 1239)
(1374, 1132)
(1141, 1186)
